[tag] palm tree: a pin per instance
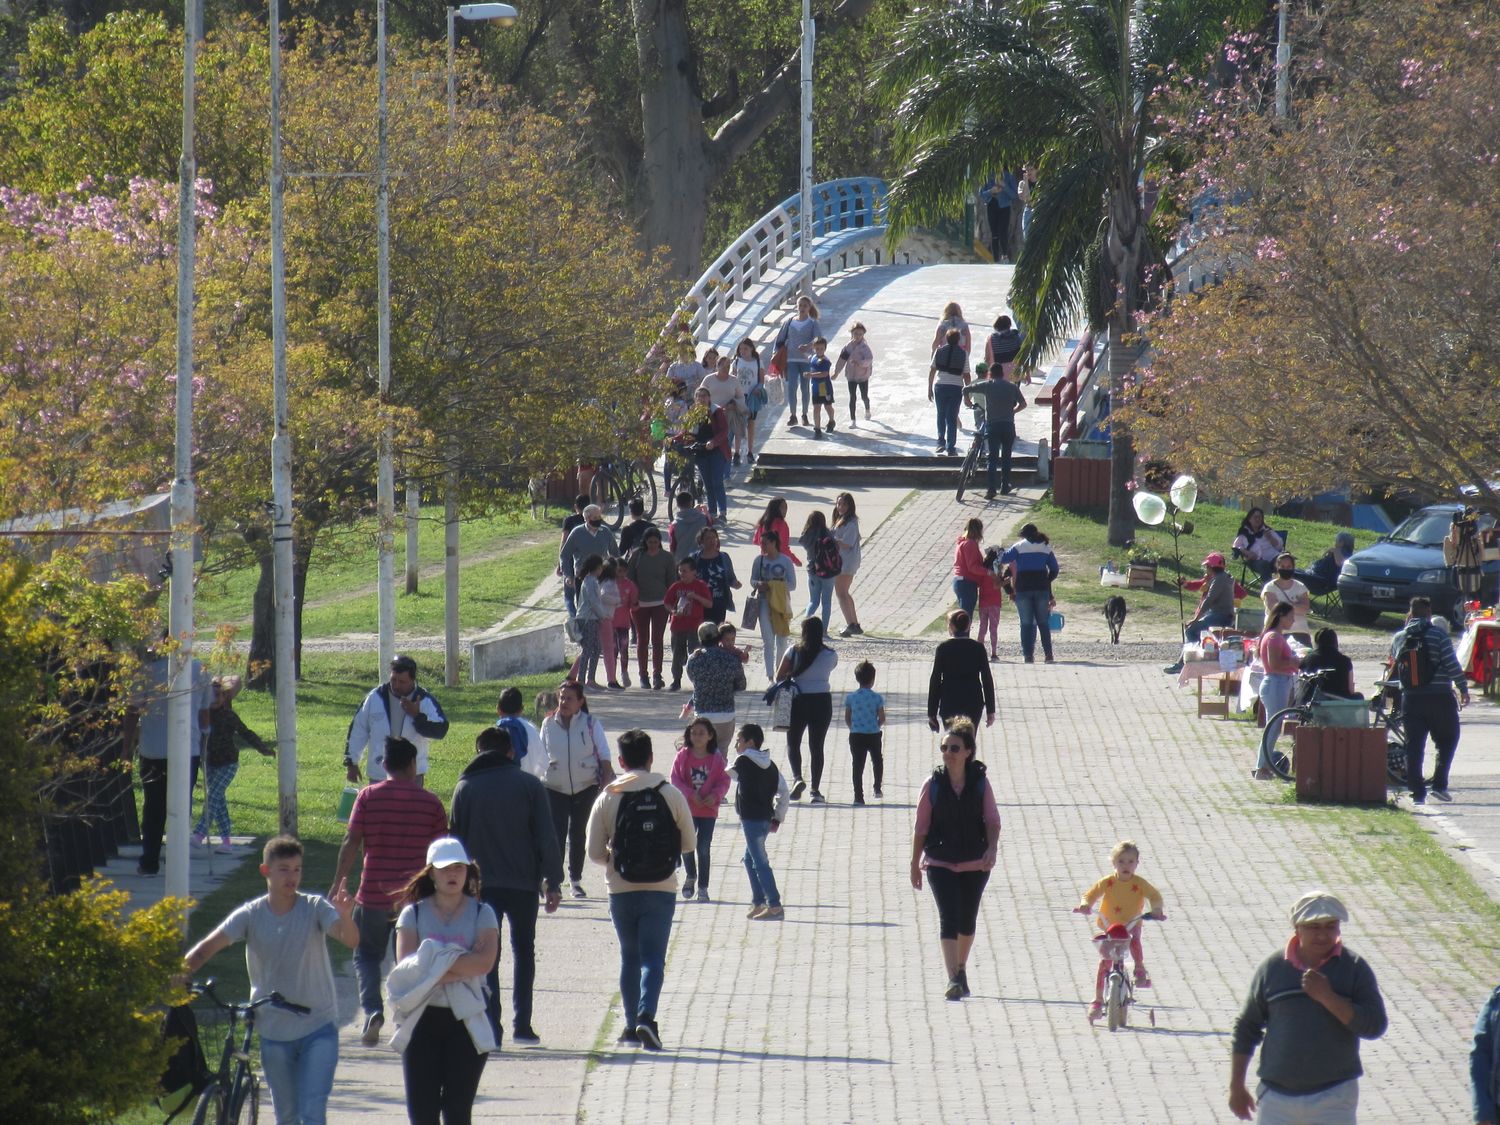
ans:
(1072, 88)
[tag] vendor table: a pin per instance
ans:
(1479, 653)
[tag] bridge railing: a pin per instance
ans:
(764, 264)
(1069, 390)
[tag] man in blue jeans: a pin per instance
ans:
(640, 828)
(1427, 703)
(287, 953)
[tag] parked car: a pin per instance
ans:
(1385, 576)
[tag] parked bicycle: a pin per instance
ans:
(1119, 990)
(1278, 751)
(616, 483)
(232, 1096)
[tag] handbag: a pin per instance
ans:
(573, 630)
(1055, 621)
(781, 705)
(777, 365)
(751, 617)
(775, 390)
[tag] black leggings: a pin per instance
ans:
(957, 894)
(861, 389)
(570, 820)
(862, 746)
(442, 1070)
(811, 712)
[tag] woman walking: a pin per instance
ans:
(710, 444)
(752, 380)
(1033, 566)
(956, 839)
(717, 569)
(652, 570)
(961, 684)
(1280, 664)
(968, 566)
(946, 379)
(822, 552)
(577, 764)
(773, 577)
(809, 663)
(846, 532)
(797, 336)
(774, 519)
(446, 941)
(222, 756)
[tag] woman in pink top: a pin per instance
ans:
(700, 774)
(955, 841)
(968, 566)
(1280, 664)
(630, 597)
(774, 519)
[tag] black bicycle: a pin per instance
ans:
(971, 459)
(1277, 751)
(232, 1096)
(616, 483)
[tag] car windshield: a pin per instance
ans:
(1425, 528)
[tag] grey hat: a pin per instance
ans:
(1318, 906)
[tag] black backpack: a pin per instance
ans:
(187, 1070)
(1413, 661)
(826, 561)
(646, 845)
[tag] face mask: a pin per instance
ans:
(1284, 573)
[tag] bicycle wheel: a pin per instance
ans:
(1395, 751)
(640, 483)
(246, 1109)
(1114, 1004)
(1277, 751)
(210, 1108)
(604, 491)
(966, 471)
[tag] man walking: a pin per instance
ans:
(1424, 664)
(398, 708)
(590, 537)
(1308, 1007)
(392, 823)
(503, 816)
(1001, 402)
(640, 828)
(150, 723)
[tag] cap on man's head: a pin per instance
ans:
(1214, 558)
(446, 851)
(1318, 906)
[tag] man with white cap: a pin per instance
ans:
(1308, 1008)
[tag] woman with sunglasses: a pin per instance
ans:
(577, 751)
(955, 841)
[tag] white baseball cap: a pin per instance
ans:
(447, 851)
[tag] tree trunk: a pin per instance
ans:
(1120, 360)
(261, 666)
(413, 510)
(450, 582)
(675, 170)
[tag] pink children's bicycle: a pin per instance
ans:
(1119, 992)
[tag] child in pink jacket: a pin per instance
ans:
(619, 626)
(991, 599)
(700, 774)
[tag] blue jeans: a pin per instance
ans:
(570, 598)
(695, 866)
(1000, 444)
(819, 597)
(375, 928)
(1032, 609)
(300, 1074)
(758, 864)
(1275, 694)
(643, 923)
(967, 594)
(797, 383)
(948, 400)
(1198, 626)
(713, 467)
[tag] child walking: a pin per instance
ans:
(609, 596)
(630, 598)
(819, 372)
(864, 715)
(1122, 899)
(990, 600)
(226, 731)
(760, 798)
(700, 774)
(856, 362)
(592, 616)
(687, 598)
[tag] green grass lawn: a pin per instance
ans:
(1080, 540)
(512, 555)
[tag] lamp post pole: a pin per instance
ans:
(1283, 61)
(281, 472)
(385, 484)
(809, 37)
(182, 716)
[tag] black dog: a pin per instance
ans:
(1114, 613)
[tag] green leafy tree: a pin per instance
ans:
(1074, 89)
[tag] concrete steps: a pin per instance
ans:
(918, 470)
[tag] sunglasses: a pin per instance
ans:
(954, 746)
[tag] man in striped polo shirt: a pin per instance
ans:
(393, 822)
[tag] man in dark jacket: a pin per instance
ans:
(1309, 1006)
(502, 815)
(961, 683)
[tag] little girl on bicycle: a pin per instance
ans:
(1122, 899)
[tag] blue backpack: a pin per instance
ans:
(517, 731)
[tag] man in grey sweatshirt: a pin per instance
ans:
(1308, 1008)
(590, 537)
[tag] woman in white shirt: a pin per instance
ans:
(752, 382)
(846, 534)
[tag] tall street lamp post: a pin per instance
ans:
(503, 14)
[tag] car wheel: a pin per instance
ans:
(1361, 614)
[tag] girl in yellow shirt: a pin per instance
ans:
(1122, 898)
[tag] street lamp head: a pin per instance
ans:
(503, 14)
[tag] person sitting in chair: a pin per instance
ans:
(1323, 576)
(1257, 545)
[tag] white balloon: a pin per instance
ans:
(1150, 507)
(1184, 493)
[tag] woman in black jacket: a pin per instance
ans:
(955, 841)
(960, 683)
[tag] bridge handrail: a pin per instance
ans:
(773, 242)
(1066, 395)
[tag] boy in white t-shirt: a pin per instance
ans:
(286, 952)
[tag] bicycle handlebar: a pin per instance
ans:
(275, 999)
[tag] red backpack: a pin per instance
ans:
(826, 561)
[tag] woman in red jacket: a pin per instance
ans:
(968, 566)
